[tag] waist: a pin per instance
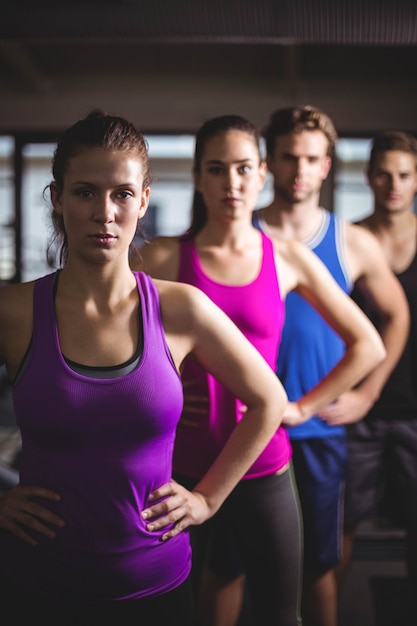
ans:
(50, 569)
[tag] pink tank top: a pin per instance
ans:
(212, 412)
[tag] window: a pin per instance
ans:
(7, 216)
(171, 160)
(351, 194)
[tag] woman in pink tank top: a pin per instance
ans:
(256, 534)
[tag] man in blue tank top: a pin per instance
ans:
(382, 448)
(300, 143)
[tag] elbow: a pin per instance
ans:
(371, 353)
(278, 412)
(378, 351)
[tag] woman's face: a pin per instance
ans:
(101, 202)
(230, 175)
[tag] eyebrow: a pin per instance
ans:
(219, 162)
(383, 170)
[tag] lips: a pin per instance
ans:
(297, 186)
(103, 236)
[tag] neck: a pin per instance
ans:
(293, 221)
(84, 280)
(392, 222)
(234, 234)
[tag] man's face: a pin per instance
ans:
(299, 165)
(393, 180)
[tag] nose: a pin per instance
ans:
(232, 179)
(104, 210)
(395, 183)
(300, 166)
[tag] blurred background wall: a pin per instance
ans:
(170, 64)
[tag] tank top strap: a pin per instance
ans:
(152, 324)
(45, 332)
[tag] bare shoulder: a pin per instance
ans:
(360, 239)
(367, 222)
(16, 300)
(16, 305)
(159, 257)
(181, 303)
(191, 319)
(291, 249)
(360, 232)
(172, 292)
(363, 250)
(297, 266)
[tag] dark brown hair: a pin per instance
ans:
(392, 140)
(296, 120)
(96, 130)
(211, 128)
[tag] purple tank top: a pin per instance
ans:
(258, 310)
(104, 445)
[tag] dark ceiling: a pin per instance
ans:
(40, 40)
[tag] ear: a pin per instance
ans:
(55, 197)
(144, 202)
(262, 174)
(327, 164)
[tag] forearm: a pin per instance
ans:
(356, 363)
(245, 444)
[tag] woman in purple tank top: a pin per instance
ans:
(256, 533)
(93, 532)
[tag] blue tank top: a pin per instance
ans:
(309, 346)
(104, 445)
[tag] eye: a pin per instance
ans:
(84, 193)
(244, 169)
(124, 195)
(215, 170)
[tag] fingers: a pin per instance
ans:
(179, 509)
(19, 514)
(166, 508)
(168, 489)
(171, 498)
(196, 404)
(177, 518)
(18, 525)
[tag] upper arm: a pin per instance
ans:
(374, 277)
(15, 324)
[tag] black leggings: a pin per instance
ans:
(19, 605)
(257, 532)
